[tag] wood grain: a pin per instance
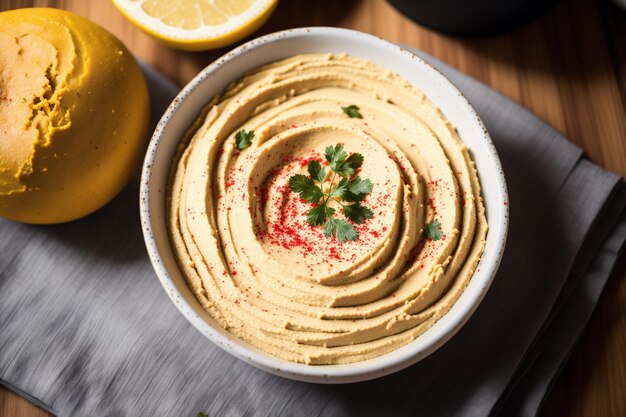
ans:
(568, 67)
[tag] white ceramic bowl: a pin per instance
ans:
(212, 81)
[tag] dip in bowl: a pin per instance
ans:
(340, 297)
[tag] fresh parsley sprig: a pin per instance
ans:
(433, 230)
(349, 189)
(352, 111)
(244, 139)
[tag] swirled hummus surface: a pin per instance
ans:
(242, 240)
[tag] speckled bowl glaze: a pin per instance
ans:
(212, 81)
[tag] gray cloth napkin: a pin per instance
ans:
(86, 330)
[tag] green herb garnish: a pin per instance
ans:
(201, 414)
(352, 111)
(433, 230)
(349, 189)
(244, 139)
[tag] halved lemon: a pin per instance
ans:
(196, 25)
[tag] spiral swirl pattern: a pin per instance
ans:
(263, 273)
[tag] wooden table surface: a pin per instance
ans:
(568, 67)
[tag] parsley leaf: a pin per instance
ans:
(433, 230)
(244, 139)
(329, 227)
(336, 156)
(350, 165)
(317, 215)
(344, 231)
(341, 228)
(341, 163)
(341, 188)
(355, 160)
(354, 190)
(317, 171)
(360, 186)
(348, 189)
(352, 111)
(306, 187)
(201, 414)
(357, 213)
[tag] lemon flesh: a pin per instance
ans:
(197, 24)
(74, 114)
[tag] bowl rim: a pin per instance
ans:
(359, 371)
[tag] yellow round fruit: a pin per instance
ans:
(197, 25)
(74, 113)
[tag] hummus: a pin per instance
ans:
(263, 273)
